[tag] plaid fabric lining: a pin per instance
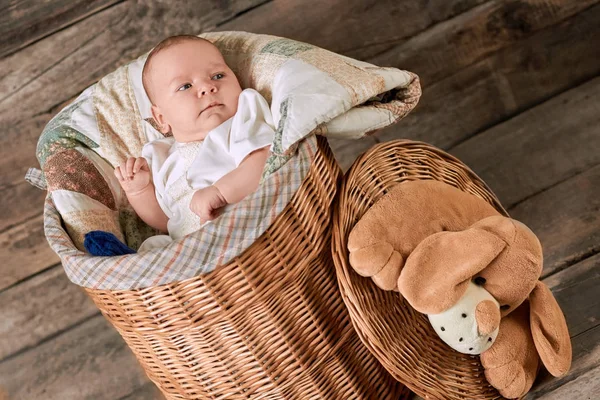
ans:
(36, 178)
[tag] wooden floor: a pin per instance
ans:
(510, 87)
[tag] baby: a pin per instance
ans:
(219, 144)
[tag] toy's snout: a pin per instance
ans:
(471, 325)
(487, 315)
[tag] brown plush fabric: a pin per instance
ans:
(372, 242)
(487, 316)
(513, 274)
(550, 332)
(437, 273)
(450, 236)
(512, 362)
(428, 239)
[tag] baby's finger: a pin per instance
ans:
(211, 215)
(118, 174)
(139, 163)
(129, 171)
(144, 164)
(217, 213)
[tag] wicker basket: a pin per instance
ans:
(401, 338)
(270, 324)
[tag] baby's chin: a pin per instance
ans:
(212, 121)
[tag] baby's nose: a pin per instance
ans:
(204, 90)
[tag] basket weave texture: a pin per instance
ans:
(401, 338)
(270, 324)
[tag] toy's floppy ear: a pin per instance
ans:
(549, 330)
(438, 271)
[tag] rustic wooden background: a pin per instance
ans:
(510, 87)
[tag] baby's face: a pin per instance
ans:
(193, 90)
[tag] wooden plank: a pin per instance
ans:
(39, 308)
(356, 28)
(346, 151)
(121, 33)
(581, 380)
(532, 152)
(24, 251)
(147, 392)
(90, 361)
(25, 21)
(575, 290)
(582, 387)
(457, 43)
(19, 203)
(566, 219)
(505, 83)
(35, 61)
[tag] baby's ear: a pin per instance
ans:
(549, 330)
(159, 118)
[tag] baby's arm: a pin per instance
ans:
(231, 188)
(243, 180)
(134, 177)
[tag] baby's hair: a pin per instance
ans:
(165, 44)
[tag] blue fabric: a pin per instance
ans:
(100, 243)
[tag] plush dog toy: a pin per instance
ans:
(474, 272)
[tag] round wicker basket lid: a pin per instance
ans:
(401, 338)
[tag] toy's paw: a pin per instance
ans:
(512, 362)
(387, 278)
(380, 262)
(510, 379)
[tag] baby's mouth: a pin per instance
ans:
(211, 105)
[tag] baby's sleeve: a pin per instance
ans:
(155, 153)
(252, 126)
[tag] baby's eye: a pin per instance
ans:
(216, 77)
(184, 87)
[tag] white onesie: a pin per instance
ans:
(180, 169)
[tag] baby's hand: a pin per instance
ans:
(133, 175)
(207, 203)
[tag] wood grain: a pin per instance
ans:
(89, 361)
(356, 28)
(581, 382)
(459, 42)
(20, 202)
(504, 84)
(566, 219)
(346, 151)
(533, 151)
(24, 252)
(25, 21)
(147, 392)
(41, 307)
(574, 292)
